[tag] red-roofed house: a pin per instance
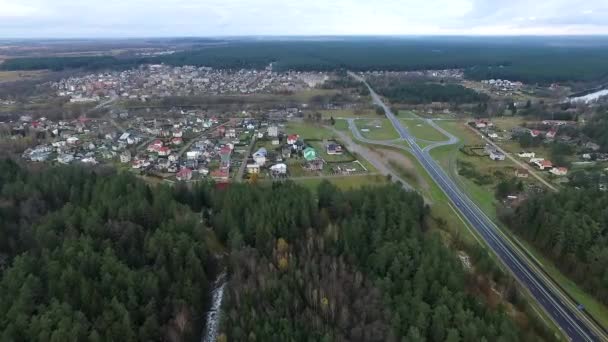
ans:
(164, 151)
(292, 139)
(184, 174)
(220, 175)
(534, 133)
(551, 134)
(177, 141)
(544, 164)
(155, 146)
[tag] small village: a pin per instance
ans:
(586, 152)
(153, 81)
(195, 146)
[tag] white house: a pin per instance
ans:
(72, 140)
(497, 155)
(273, 131)
(526, 154)
(559, 171)
(279, 169)
(193, 155)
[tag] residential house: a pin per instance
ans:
(191, 155)
(174, 157)
(278, 169)
(65, 158)
(72, 140)
(334, 149)
(543, 164)
(260, 156)
(185, 174)
(592, 146)
(253, 168)
(482, 123)
(522, 173)
(526, 154)
(177, 141)
(309, 154)
(535, 133)
(559, 171)
(125, 157)
(497, 155)
(292, 139)
(286, 151)
(551, 134)
(314, 165)
(221, 175)
(273, 131)
(164, 151)
(231, 133)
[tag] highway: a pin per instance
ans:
(573, 323)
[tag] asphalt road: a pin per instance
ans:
(565, 314)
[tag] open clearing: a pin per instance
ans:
(350, 113)
(377, 129)
(422, 130)
(11, 76)
(308, 130)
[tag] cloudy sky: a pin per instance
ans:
(155, 18)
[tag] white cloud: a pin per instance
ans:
(107, 18)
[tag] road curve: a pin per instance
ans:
(573, 323)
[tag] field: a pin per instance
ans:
(350, 113)
(11, 76)
(378, 129)
(422, 130)
(308, 130)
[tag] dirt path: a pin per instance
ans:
(377, 159)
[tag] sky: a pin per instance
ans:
(201, 18)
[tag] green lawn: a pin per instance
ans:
(308, 130)
(407, 114)
(422, 130)
(341, 125)
(379, 129)
(350, 113)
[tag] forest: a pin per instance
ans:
(92, 254)
(97, 256)
(570, 227)
(597, 128)
(532, 60)
(311, 269)
(421, 92)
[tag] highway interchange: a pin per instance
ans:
(562, 310)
